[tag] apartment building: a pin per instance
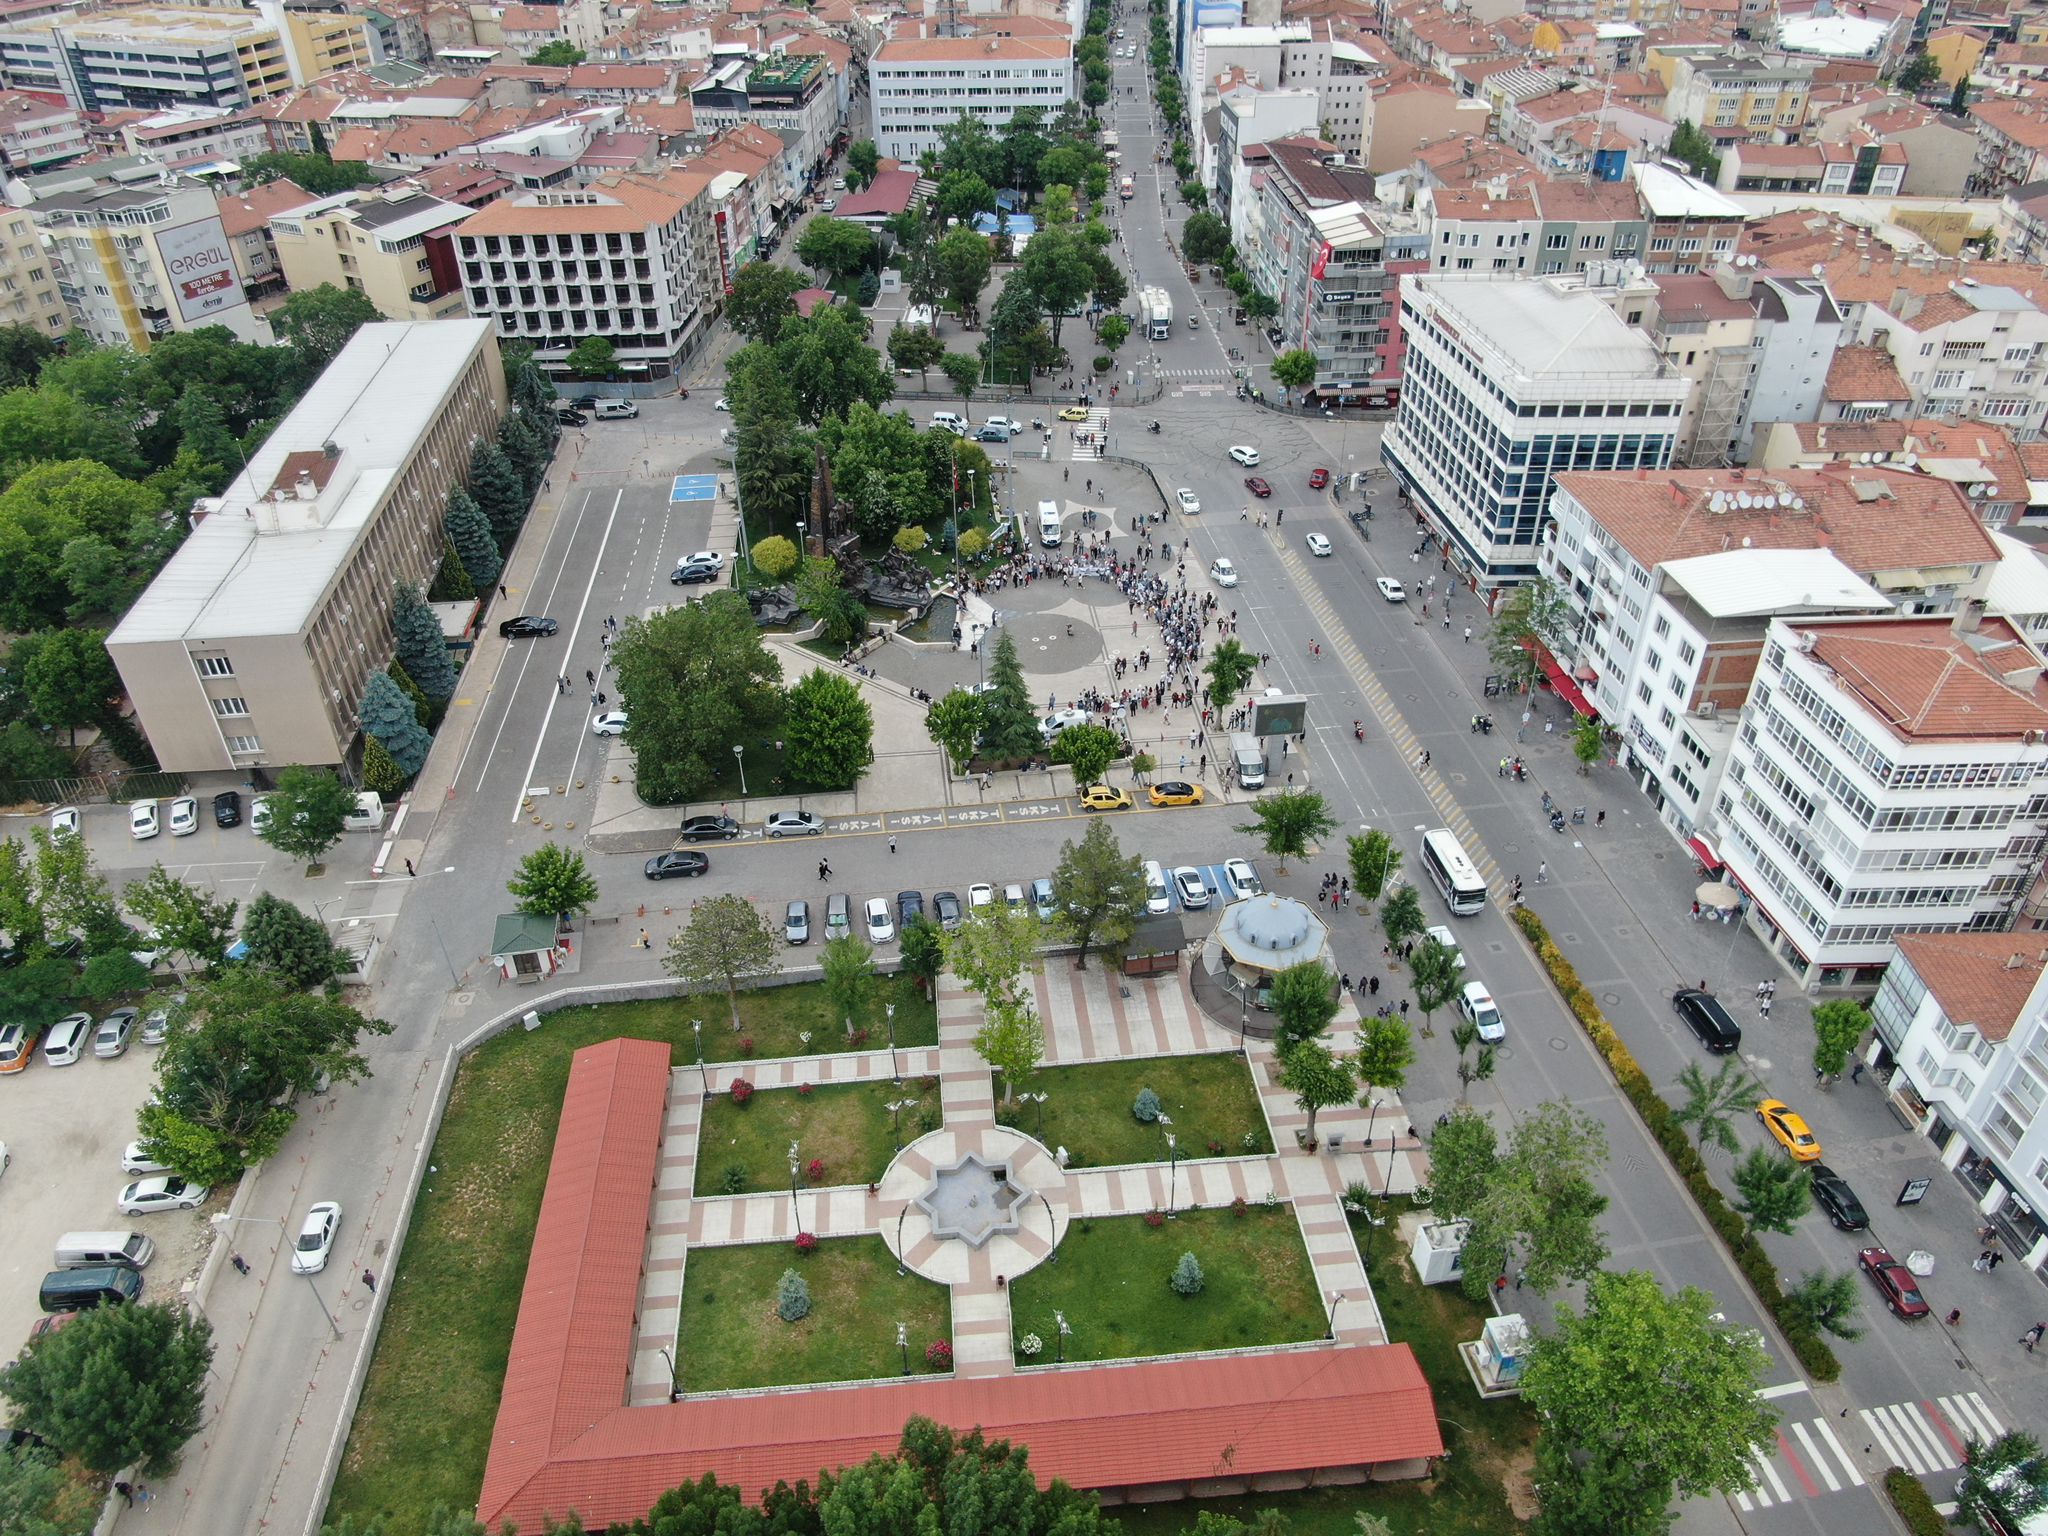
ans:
(245, 220)
(1508, 382)
(921, 85)
(149, 58)
(628, 258)
(29, 294)
(1980, 460)
(253, 644)
(1691, 225)
(394, 245)
(36, 134)
(1823, 170)
(1761, 100)
(140, 260)
(2012, 144)
(193, 136)
(1975, 349)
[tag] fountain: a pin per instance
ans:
(972, 1200)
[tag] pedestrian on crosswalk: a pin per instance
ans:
(2033, 1336)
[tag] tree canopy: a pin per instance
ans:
(725, 943)
(696, 681)
(118, 1386)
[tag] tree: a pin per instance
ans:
(774, 557)
(849, 979)
(388, 717)
(835, 247)
(763, 296)
(1295, 369)
(469, 535)
(1959, 102)
(70, 898)
(422, 648)
(726, 942)
(841, 615)
(1098, 892)
(1401, 916)
(553, 881)
(910, 539)
(381, 772)
(829, 364)
(963, 261)
(1011, 1041)
(318, 174)
(1536, 616)
(1287, 823)
(1374, 859)
(70, 679)
(180, 918)
(1837, 1026)
(993, 951)
(1088, 750)
(285, 942)
(23, 351)
(501, 493)
(2004, 1482)
(963, 372)
(1385, 1052)
(1303, 999)
(37, 1498)
(792, 1297)
(1645, 1398)
(119, 1386)
(1588, 742)
(695, 681)
(955, 723)
(1186, 1279)
(915, 346)
(307, 812)
(1204, 239)
(1434, 969)
(1536, 1194)
(1696, 150)
(1773, 1192)
(25, 753)
(556, 55)
(112, 973)
(1229, 669)
(1011, 732)
(1316, 1077)
(830, 731)
(862, 161)
(1060, 274)
(1712, 1103)
(1919, 72)
(317, 323)
(1822, 1302)
(1476, 1067)
(922, 949)
(594, 357)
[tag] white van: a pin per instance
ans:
(614, 410)
(1049, 524)
(84, 1250)
(952, 421)
(368, 816)
(1156, 899)
(1249, 758)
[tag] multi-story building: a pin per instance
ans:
(245, 220)
(394, 245)
(254, 643)
(138, 261)
(1863, 169)
(2012, 144)
(1980, 460)
(1509, 382)
(1762, 100)
(1691, 225)
(149, 58)
(919, 86)
(36, 134)
(28, 282)
(628, 258)
(191, 136)
(321, 42)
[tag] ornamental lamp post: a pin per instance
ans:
(740, 753)
(795, 1213)
(903, 1343)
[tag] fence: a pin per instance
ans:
(94, 788)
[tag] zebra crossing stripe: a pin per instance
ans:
(1907, 1438)
(1880, 1432)
(1777, 1483)
(1969, 1414)
(1826, 1432)
(1815, 1460)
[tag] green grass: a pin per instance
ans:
(423, 1429)
(846, 1125)
(1111, 1277)
(733, 1338)
(1210, 1100)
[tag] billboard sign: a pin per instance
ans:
(201, 266)
(1280, 714)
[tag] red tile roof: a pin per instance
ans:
(1981, 980)
(1924, 682)
(1864, 373)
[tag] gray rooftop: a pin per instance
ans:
(1543, 327)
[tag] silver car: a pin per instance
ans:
(794, 824)
(796, 922)
(115, 1031)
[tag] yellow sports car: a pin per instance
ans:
(1174, 792)
(1100, 797)
(1074, 413)
(1789, 1131)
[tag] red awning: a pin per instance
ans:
(1704, 851)
(1566, 685)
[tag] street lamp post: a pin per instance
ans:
(895, 1070)
(675, 1392)
(903, 1343)
(1172, 1172)
(896, 1108)
(795, 1213)
(1037, 1100)
(801, 525)
(1059, 1338)
(697, 1029)
(740, 752)
(223, 1219)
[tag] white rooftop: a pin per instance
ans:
(1834, 37)
(2019, 582)
(1543, 327)
(1344, 225)
(1672, 194)
(258, 565)
(1753, 583)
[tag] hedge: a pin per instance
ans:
(1914, 1504)
(1811, 1350)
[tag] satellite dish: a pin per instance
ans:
(1717, 502)
(1990, 490)
(1912, 461)
(1770, 503)
(1742, 498)
(1745, 541)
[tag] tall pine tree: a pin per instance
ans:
(469, 531)
(529, 449)
(496, 486)
(535, 397)
(387, 716)
(421, 649)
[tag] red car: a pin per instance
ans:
(1257, 486)
(1318, 478)
(1894, 1282)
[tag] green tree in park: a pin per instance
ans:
(1303, 1000)
(1645, 1399)
(971, 544)
(1385, 1053)
(381, 773)
(180, 918)
(963, 261)
(1772, 1191)
(112, 973)
(848, 967)
(1229, 668)
(1088, 750)
(1401, 916)
(955, 723)
(836, 248)
(1474, 1066)
(1374, 859)
(910, 539)
(553, 881)
(422, 648)
(307, 812)
(469, 535)
(1837, 1026)
(863, 159)
(451, 583)
(1536, 1195)
(1289, 823)
(1316, 1077)
(840, 614)
(1588, 742)
(1114, 332)
(1433, 970)
(1712, 1104)
(1186, 1279)
(289, 943)
(594, 357)
(388, 718)
(1295, 369)
(963, 372)
(763, 296)
(1827, 1303)
(119, 1387)
(36, 1497)
(993, 951)
(1011, 1040)
(830, 731)
(725, 943)
(1011, 731)
(1098, 892)
(792, 1297)
(501, 493)
(2004, 1484)
(914, 346)
(922, 948)
(317, 323)
(1204, 239)
(695, 682)
(774, 557)
(318, 174)
(1057, 267)
(70, 679)
(829, 365)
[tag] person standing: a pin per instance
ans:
(370, 1280)
(892, 842)
(1543, 872)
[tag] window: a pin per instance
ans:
(230, 707)
(244, 744)
(214, 666)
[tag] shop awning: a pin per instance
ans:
(1704, 852)
(1566, 685)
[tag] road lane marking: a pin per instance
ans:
(555, 695)
(1822, 1428)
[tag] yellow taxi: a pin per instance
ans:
(1789, 1131)
(1100, 797)
(1074, 413)
(1175, 792)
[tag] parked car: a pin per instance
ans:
(317, 1232)
(706, 829)
(1477, 1004)
(1317, 545)
(881, 927)
(687, 575)
(796, 922)
(1242, 879)
(1101, 797)
(259, 814)
(64, 819)
(136, 1161)
(67, 1039)
(611, 723)
(1157, 898)
(1789, 1130)
(160, 1192)
(1705, 1016)
(144, 820)
(678, 863)
(1445, 937)
(1042, 899)
(794, 824)
(1894, 1282)
(569, 417)
(1174, 792)
(527, 626)
(1009, 424)
(1245, 455)
(1391, 589)
(227, 809)
(909, 907)
(1222, 572)
(1192, 889)
(156, 1025)
(980, 895)
(116, 1030)
(1833, 1195)
(18, 1046)
(1059, 720)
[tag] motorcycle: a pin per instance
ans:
(1154, 427)
(1358, 729)
(1557, 821)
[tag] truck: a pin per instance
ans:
(1157, 310)
(1128, 189)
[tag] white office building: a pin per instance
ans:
(921, 85)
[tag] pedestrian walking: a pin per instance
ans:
(127, 1492)
(501, 589)
(370, 1280)
(1856, 1073)
(1695, 911)
(645, 942)
(241, 1264)
(1997, 1259)
(824, 869)
(1600, 820)
(1761, 992)
(1346, 982)
(1982, 1263)
(1955, 1316)
(1764, 1008)
(2033, 1336)
(892, 842)
(562, 683)
(411, 873)
(1543, 872)
(1372, 986)
(589, 677)
(1468, 634)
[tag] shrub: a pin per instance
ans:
(1187, 1276)
(803, 1090)
(1104, 362)
(1913, 1503)
(939, 1355)
(1240, 1207)
(1145, 1107)
(1155, 1218)
(742, 1091)
(1030, 1345)
(792, 1297)
(1215, 1147)
(746, 1045)
(815, 1170)
(869, 291)
(910, 539)
(775, 556)
(807, 1242)
(735, 1178)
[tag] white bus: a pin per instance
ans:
(1455, 875)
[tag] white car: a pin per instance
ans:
(1242, 879)
(1248, 457)
(1009, 424)
(64, 819)
(135, 1160)
(1058, 721)
(1192, 889)
(316, 1238)
(1189, 501)
(612, 723)
(1477, 1004)
(795, 824)
(710, 557)
(980, 895)
(1391, 590)
(1222, 572)
(67, 1039)
(881, 926)
(161, 1192)
(259, 814)
(1443, 936)
(184, 816)
(144, 820)
(1156, 898)
(1317, 545)
(723, 404)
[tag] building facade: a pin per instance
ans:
(396, 247)
(149, 58)
(921, 85)
(29, 294)
(36, 134)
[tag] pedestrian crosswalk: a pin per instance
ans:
(1088, 439)
(1814, 1456)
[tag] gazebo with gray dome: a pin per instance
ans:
(1252, 941)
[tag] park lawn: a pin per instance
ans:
(732, 1336)
(1210, 1099)
(846, 1125)
(1111, 1282)
(773, 1018)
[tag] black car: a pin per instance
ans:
(1705, 1017)
(689, 575)
(679, 862)
(909, 904)
(583, 402)
(570, 418)
(227, 809)
(946, 908)
(527, 625)
(705, 829)
(1834, 1196)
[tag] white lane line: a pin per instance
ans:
(1972, 1417)
(1782, 1389)
(1770, 1471)
(1826, 1432)
(1816, 1460)
(1880, 1432)
(555, 696)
